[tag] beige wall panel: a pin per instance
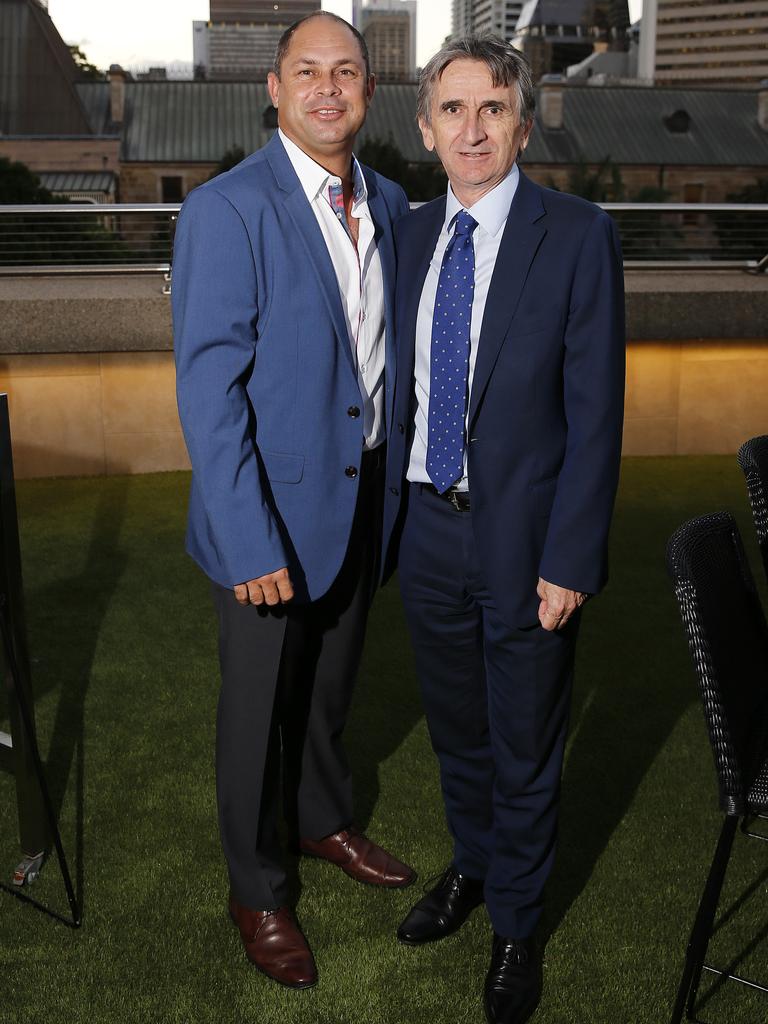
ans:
(49, 366)
(653, 380)
(722, 400)
(645, 436)
(139, 392)
(146, 453)
(56, 425)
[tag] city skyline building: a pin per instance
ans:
(261, 12)
(461, 18)
(705, 41)
(474, 17)
(239, 39)
(497, 16)
(389, 29)
(555, 36)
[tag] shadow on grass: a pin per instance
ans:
(633, 683)
(386, 705)
(65, 647)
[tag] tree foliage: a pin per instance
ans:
(20, 185)
(27, 239)
(421, 182)
(89, 72)
(230, 159)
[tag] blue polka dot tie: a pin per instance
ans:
(449, 357)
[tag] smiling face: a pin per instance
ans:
(475, 129)
(322, 94)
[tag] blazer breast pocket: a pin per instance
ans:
(283, 468)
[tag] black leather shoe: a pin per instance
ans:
(443, 909)
(513, 983)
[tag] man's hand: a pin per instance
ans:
(557, 604)
(274, 588)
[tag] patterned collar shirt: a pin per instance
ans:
(490, 212)
(359, 276)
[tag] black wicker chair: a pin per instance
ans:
(753, 459)
(728, 640)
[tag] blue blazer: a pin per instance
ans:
(547, 400)
(266, 376)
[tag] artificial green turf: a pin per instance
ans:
(125, 674)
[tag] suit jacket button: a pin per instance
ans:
(401, 428)
(353, 411)
(351, 471)
(394, 490)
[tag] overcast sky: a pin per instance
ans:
(143, 32)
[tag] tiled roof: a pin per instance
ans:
(175, 121)
(77, 181)
(37, 75)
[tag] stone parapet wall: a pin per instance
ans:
(88, 367)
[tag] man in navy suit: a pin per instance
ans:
(508, 413)
(283, 313)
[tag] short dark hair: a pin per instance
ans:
(507, 66)
(285, 39)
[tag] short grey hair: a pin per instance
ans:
(507, 66)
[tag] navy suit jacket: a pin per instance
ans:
(266, 375)
(546, 407)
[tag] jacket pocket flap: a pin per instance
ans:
(287, 469)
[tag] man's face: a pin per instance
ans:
(322, 95)
(475, 129)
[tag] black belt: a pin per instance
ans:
(459, 499)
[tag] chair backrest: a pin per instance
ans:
(753, 459)
(728, 640)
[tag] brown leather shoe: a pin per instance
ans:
(275, 945)
(360, 858)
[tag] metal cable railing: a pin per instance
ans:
(71, 238)
(707, 235)
(123, 238)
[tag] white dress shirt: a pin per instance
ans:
(359, 276)
(490, 212)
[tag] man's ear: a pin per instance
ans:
(273, 87)
(370, 87)
(526, 137)
(426, 135)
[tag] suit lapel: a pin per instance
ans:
(519, 243)
(311, 237)
(412, 268)
(382, 222)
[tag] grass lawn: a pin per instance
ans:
(124, 667)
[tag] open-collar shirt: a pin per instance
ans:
(359, 276)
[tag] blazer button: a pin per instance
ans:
(351, 471)
(401, 428)
(353, 411)
(394, 490)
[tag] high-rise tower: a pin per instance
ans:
(240, 38)
(710, 41)
(389, 28)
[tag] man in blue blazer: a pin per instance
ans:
(508, 413)
(283, 312)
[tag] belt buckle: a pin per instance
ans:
(453, 498)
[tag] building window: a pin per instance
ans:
(172, 189)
